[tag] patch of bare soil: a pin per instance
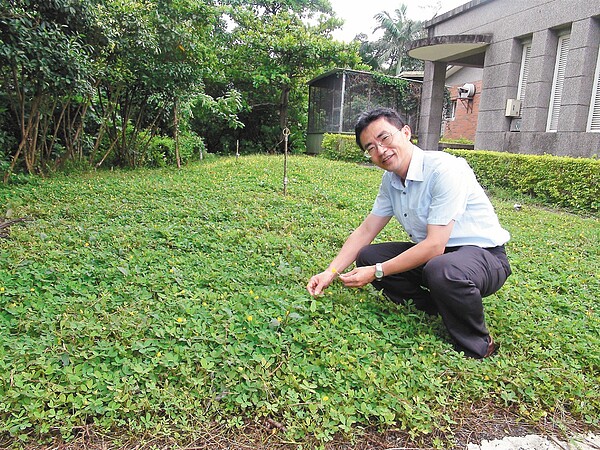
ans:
(474, 425)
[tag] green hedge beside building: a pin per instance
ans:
(572, 183)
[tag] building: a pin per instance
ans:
(462, 107)
(540, 74)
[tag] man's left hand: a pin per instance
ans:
(361, 276)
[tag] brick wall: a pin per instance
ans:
(464, 124)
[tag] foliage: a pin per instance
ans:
(572, 183)
(463, 141)
(155, 60)
(146, 302)
(45, 76)
(269, 56)
(389, 53)
(341, 147)
(86, 80)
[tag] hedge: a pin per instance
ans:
(572, 183)
(341, 147)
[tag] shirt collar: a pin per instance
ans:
(415, 169)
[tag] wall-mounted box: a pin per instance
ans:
(513, 107)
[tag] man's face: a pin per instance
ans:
(389, 147)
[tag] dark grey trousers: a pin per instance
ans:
(451, 285)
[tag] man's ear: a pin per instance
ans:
(406, 131)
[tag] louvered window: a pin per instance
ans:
(524, 75)
(594, 119)
(558, 82)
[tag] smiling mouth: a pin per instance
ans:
(386, 157)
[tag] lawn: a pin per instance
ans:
(148, 303)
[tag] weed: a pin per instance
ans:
(152, 300)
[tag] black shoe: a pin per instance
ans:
(492, 348)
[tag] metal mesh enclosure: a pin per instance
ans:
(337, 98)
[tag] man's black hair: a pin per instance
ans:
(365, 119)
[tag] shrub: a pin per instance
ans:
(159, 151)
(341, 147)
(156, 152)
(464, 141)
(572, 183)
(191, 147)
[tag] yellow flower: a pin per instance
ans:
(420, 348)
(325, 398)
(249, 318)
(179, 319)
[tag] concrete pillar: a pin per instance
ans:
(500, 80)
(579, 75)
(539, 84)
(432, 103)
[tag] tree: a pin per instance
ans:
(270, 54)
(97, 80)
(389, 53)
(157, 56)
(45, 76)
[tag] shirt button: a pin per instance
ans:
(403, 192)
(405, 214)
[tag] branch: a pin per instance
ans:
(4, 226)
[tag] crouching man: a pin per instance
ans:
(456, 254)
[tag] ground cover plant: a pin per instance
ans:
(149, 303)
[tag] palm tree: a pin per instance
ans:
(391, 49)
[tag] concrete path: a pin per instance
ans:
(535, 442)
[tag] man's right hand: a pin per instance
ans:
(317, 284)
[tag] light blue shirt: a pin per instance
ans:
(439, 188)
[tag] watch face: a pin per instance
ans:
(378, 271)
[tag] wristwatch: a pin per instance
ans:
(378, 271)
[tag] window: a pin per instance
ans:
(524, 75)
(451, 110)
(562, 52)
(594, 118)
